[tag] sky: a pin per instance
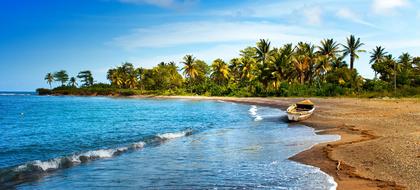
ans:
(41, 36)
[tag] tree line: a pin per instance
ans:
(304, 69)
(62, 77)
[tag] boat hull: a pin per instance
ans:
(293, 115)
(296, 117)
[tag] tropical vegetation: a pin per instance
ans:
(304, 69)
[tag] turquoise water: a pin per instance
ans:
(49, 142)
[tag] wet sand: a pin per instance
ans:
(380, 139)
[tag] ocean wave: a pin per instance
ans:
(14, 94)
(167, 136)
(138, 145)
(75, 159)
(258, 118)
(332, 182)
(34, 169)
(253, 111)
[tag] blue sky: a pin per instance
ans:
(37, 37)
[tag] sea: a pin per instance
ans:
(71, 142)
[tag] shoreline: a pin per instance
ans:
(365, 133)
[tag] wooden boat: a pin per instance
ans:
(301, 110)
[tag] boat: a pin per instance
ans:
(301, 110)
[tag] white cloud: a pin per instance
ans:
(388, 6)
(350, 15)
(258, 10)
(402, 44)
(225, 52)
(313, 15)
(184, 33)
(162, 3)
(290, 10)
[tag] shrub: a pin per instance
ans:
(43, 91)
(375, 85)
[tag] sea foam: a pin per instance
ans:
(253, 111)
(14, 94)
(167, 136)
(39, 167)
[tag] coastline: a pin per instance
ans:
(381, 133)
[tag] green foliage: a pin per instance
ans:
(220, 72)
(49, 77)
(43, 91)
(190, 67)
(352, 48)
(72, 82)
(301, 70)
(203, 71)
(161, 77)
(61, 76)
(125, 76)
(376, 86)
(86, 78)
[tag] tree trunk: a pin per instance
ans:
(395, 77)
(302, 78)
(351, 61)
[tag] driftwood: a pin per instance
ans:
(338, 165)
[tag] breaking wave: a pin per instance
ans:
(15, 94)
(167, 136)
(35, 169)
(253, 112)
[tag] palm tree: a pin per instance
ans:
(73, 82)
(131, 81)
(339, 63)
(110, 75)
(263, 56)
(119, 78)
(406, 63)
(263, 51)
(248, 52)
(405, 60)
(329, 48)
(377, 56)
(390, 58)
(220, 71)
(172, 64)
(388, 68)
(127, 68)
(173, 70)
(248, 68)
(61, 76)
(49, 78)
(328, 53)
(115, 76)
(304, 61)
(85, 77)
(282, 64)
(352, 48)
(236, 68)
(190, 68)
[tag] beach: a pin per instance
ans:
(380, 139)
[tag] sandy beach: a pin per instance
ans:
(380, 139)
